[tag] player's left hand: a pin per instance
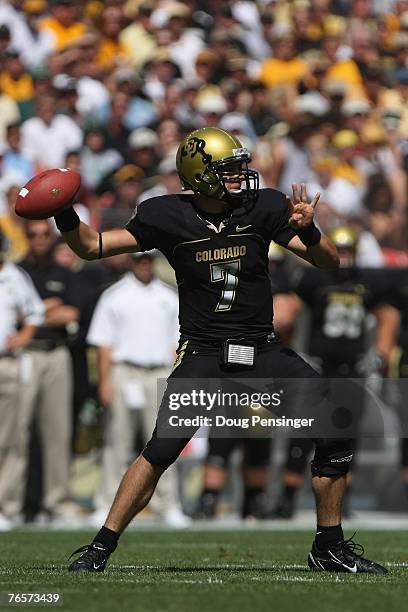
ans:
(301, 212)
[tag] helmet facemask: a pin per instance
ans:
(347, 258)
(235, 170)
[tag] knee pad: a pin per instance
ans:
(332, 457)
(162, 453)
(157, 458)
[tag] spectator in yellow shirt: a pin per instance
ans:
(12, 227)
(137, 38)
(111, 53)
(346, 143)
(284, 68)
(341, 70)
(63, 23)
(17, 83)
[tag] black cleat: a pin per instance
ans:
(345, 556)
(93, 558)
(207, 507)
(256, 507)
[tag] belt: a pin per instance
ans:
(7, 356)
(149, 366)
(216, 344)
(44, 344)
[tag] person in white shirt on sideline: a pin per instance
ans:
(49, 136)
(135, 330)
(21, 311)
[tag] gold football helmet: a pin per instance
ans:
(206, 155)
(345, 239)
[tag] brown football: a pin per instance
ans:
(47, 193)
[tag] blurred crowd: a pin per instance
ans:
(316, 89)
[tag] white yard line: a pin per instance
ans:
(304, 520)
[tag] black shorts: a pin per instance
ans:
(279, 369)
(402, 410)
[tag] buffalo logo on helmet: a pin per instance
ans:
(193, 146)
(206, 157)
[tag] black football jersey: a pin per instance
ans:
(398, 291)
(222, 276)
(280, 280)
(339, 303)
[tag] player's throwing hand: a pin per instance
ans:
(300, 210)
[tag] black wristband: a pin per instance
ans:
(67, 220)
(310, 236)
(100, 254)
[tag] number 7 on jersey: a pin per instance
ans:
(227, 272)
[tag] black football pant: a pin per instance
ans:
(300, 449)
(256, 451)
(403, 374)
(304, 393)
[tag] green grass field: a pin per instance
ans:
(203, 571)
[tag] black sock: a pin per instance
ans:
(252, 495)
(207, 504)
(289, 492)
(210, 493)
(287, 498)
(327, 536)
(108, 538)
(253, 492)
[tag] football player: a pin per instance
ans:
(338, 340)
(398, 281)
(256, 451)
(216, 236)
(255, 461)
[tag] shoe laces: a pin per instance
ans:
(90, 551)
(352, 548)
